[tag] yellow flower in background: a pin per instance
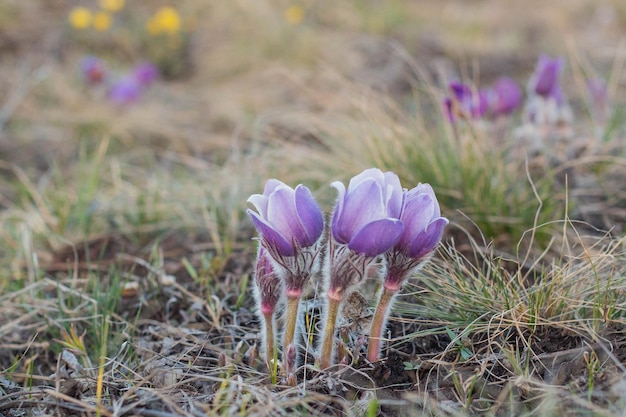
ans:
(80, 18)
(101, 21)
(112, 5)
(294, 14)
(166, 19)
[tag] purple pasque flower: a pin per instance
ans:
(93, 69)
(365, 224)
(545, 81)
(287, 219)
(423, 229)
(290, 224)
(465, 102)
(269, 288)
(366, 214)
(125, 91)
(506, 96)
(145, 73)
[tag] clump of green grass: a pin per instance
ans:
(499, 315)
(489, 287)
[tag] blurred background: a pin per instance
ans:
(138, 114)
(224, 65)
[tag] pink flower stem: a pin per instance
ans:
(329, 332)
(291, 317)
(270, 353)
(378, 323)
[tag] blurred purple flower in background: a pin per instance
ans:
(125, 91)
(146, 73)
(465, 102)
(505, 97)
(545, 81)
(93, 69)
(546, 104)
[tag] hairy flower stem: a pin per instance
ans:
(270, 347)
(291, 317)
(329, 332)
(378, 323)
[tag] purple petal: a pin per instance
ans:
(508, 96)
(480, 106)
(466, 102)
(146, 73)
(362, 205)
(460, 91)
(425, 189)
(546, 75)
(271, 185)
(259, 201)
(426, 242)
(557, 94)
(270, 235)
(418, 212)
(311, 216)
(377, 237)
(337, 212)
(367, 174)
(282, 214)
(125, 91)
(394, 194)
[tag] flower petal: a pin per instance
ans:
(282, 214)
(341, 195)
(508, 96)
(373, 173)
(271, 185)
(394, 194)
(546, 75)
(426, 188)
(363, 204)
(377, 237)
(271, 236)
(259, 201)
(426, 242)
(311, 217)
(418, 213)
